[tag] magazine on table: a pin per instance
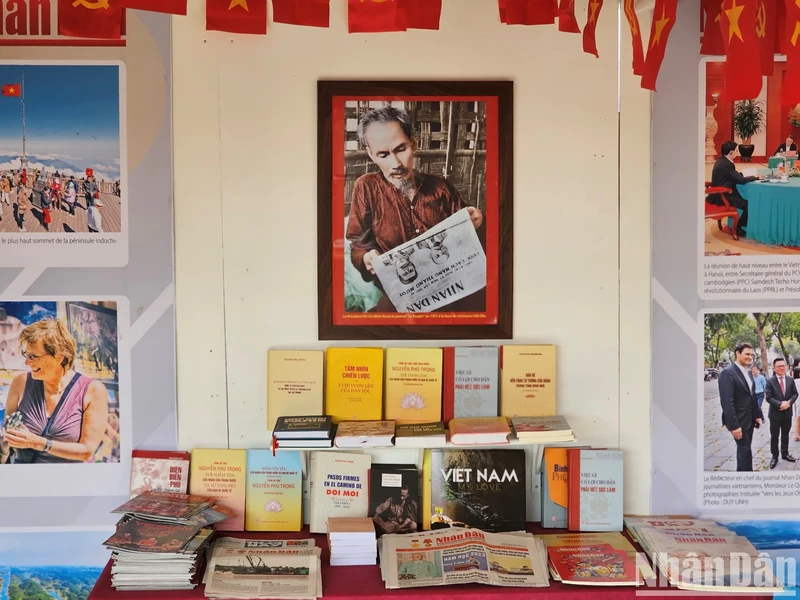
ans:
(456, 555)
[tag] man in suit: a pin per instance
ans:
(724, 174)
(740, 411)
(781, 394)
(787, 146)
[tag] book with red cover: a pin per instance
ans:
(161, 470)
(469, 382)
(165, 506)
(480, 430)
(594, 490)
(592, 565)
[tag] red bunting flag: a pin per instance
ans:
(172, 7)
(373, 16)
(566, 17)
(531, 12)
(422, 14)
(237, 16)
(313, 13)
(712, 34)
(96, 19)
(636, 36)
(790, 94)
(664, 14)
(14, 90)
(766, 31)
(501, 5)
(589, 39)
(743, 62)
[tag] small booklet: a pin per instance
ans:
(592, 565)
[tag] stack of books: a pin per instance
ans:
(303, 432)
(352, 541)
(160, 540)
(420, 435)
(594, 559)
(701, 555)
(542, 430)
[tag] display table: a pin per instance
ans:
(364, 583)
(774, 212)
(774, 161)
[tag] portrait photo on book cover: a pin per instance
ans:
(750, 377)
(59, 382)
(415, 224)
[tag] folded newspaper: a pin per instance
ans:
(242, 568)
(436, 268)
(456, 555)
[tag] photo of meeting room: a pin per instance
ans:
(751, 178)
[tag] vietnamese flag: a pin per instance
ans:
(664, 15)
(743, 62)
(636, 36)
(313, 13)
(566, 17)
(712, 34)
(101, 19)
(766, 31)
(422, 14)
(790, 94)
(172, 7)
(373, 16)
(589, 40)
(531, 12)
(237, 16)
(14, 90)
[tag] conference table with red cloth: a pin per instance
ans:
(364, 583)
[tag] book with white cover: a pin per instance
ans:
(339, 487)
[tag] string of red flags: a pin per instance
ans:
(83, 20)
(664, 14)
(590, 30)
(636, 36)
(566, 17)
(311, 13)
(237, 16)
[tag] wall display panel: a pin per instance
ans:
(723, 262)
(115, 300)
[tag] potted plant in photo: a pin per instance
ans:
(748, 120)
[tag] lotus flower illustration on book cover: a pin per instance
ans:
(412, 401)
(273, 506)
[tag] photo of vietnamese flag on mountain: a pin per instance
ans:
(62, 164)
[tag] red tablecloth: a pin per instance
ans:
(364, 583)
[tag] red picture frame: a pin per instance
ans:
(462, 135)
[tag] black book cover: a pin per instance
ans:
(303, 427)
(394, 504)
(484, 489)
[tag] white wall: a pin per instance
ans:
(245, 178)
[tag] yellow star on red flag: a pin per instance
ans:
(235, 3)
(660, 24)
(734, 12)
(593, 8)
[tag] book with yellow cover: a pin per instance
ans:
(294, 384)
(414, 385)
(354, 389)
(221, 473)
(274, 491)
(528, 381)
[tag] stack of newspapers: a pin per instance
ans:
(701, 555)
(160, 540)
(456, 555)
(261, 568)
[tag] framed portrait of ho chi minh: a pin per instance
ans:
(415, 210)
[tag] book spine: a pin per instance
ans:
(448, 383)
(426, 490)
(574, 490)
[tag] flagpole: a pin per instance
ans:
(24, 160)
